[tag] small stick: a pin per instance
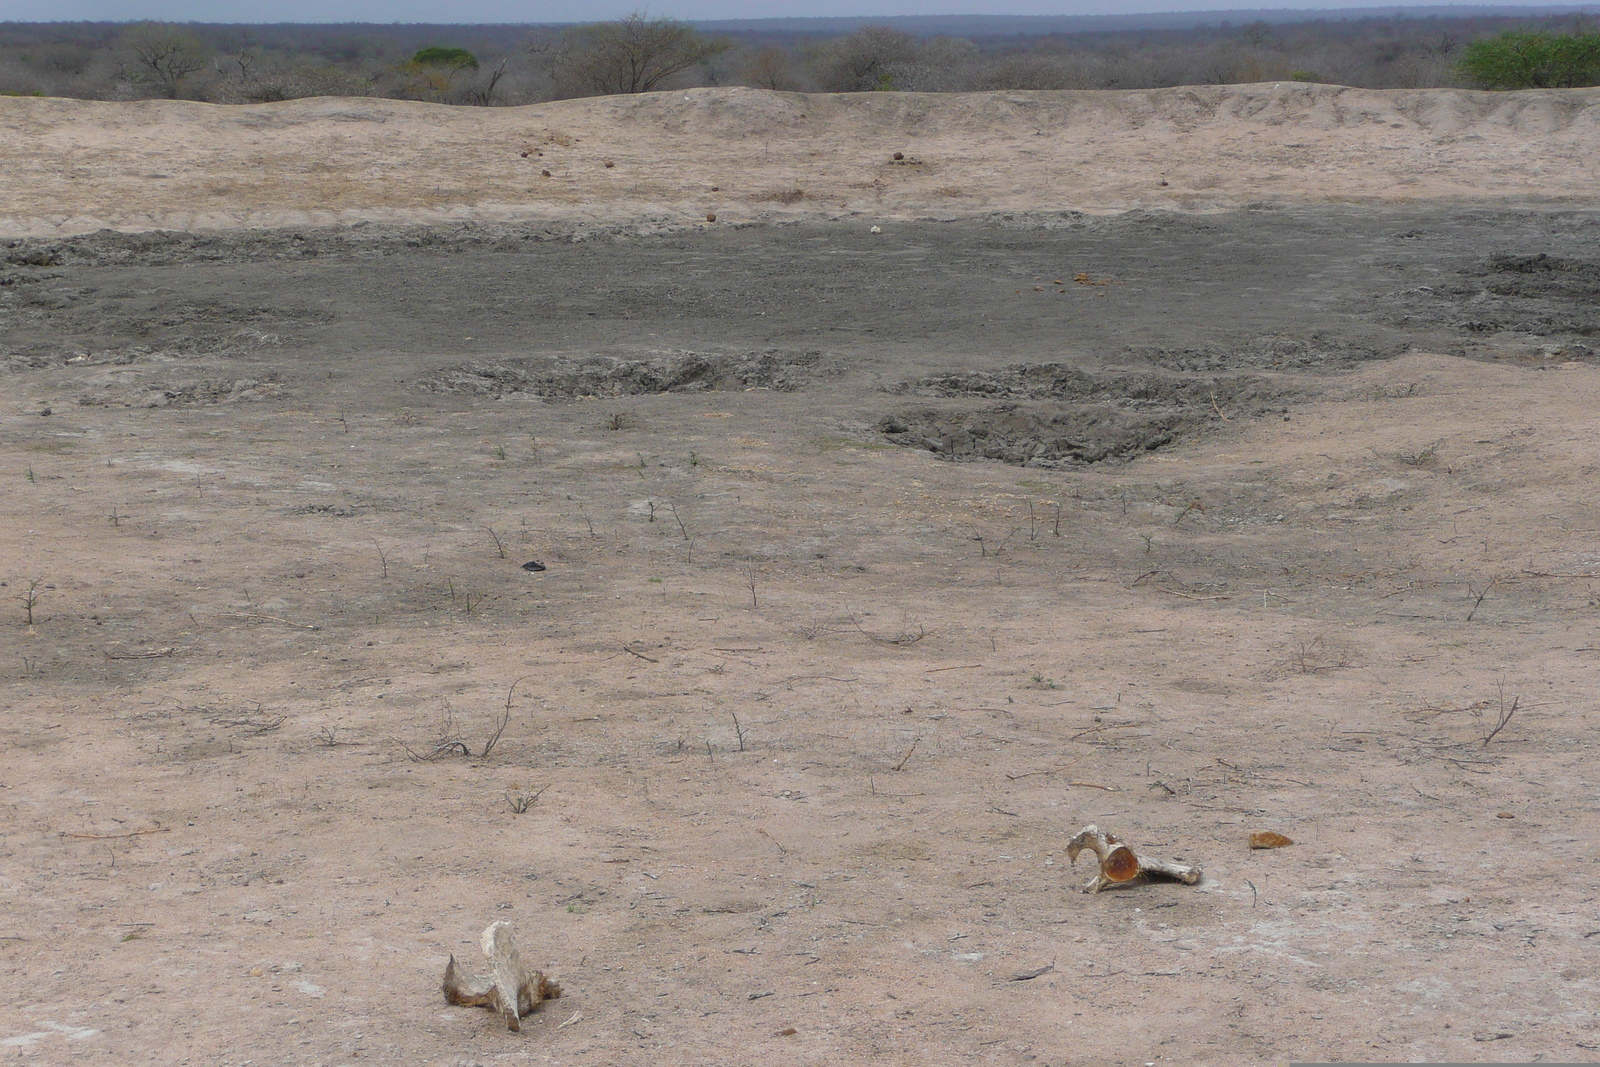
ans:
(497, 544)
(1191, 596)
(1479, 601)
(1092, 785)
(874, 785)
(681, 527)
(907, 756)
(963, 667)
(1106, 726)
(265, 618)
(500, 728)
(641, 655)
(1030, 774)
(1505, 717)
(157, 654)
(157, 829)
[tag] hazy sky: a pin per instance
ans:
(574, 11)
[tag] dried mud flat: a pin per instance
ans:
(876, 565)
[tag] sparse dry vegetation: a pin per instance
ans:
(520, 64)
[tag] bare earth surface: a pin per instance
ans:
(744, 155)
(876, 565)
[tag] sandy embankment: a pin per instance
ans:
(74, 166)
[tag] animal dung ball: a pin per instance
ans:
(1269, 839)
(609, 164)
(533, 565)
(544, 174)
(716, 188)
(525, 154)
(899, 156)
(711, 217)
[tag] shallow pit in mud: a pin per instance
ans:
(570, 378)
(1056, 415)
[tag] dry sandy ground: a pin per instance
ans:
(744, 154)
(808, 714)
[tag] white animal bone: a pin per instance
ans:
(1120, 866)
(508, 988)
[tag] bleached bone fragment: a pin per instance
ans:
(1119, 865)
(508, 989)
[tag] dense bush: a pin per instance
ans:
(1520, 60)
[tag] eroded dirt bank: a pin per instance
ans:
(747, 155)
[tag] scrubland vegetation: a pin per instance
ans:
(516, 64)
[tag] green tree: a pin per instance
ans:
(434, 68)
(451, 58)
(1518, 59)
(634, 54)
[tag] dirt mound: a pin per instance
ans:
(668, 160)
(1093, 417)
(600, 376)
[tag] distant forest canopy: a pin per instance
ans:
(517, 64)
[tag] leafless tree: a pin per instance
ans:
(768, 69)
(634, 54)
(483, 95)
(164, 54)
(872, 58)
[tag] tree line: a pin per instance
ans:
(511, 64)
